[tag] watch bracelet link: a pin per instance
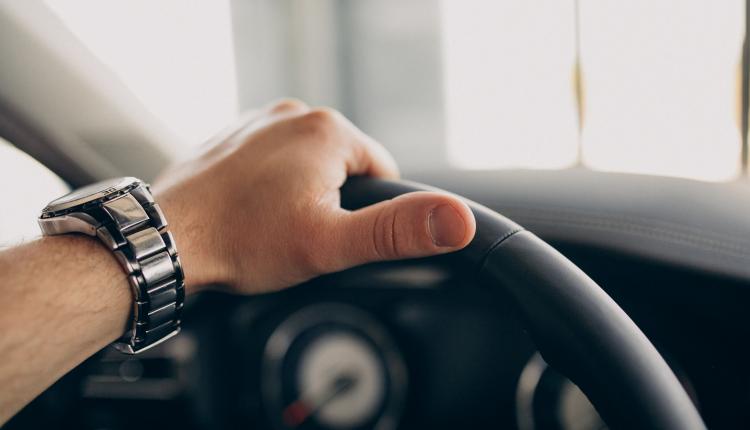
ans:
(135, 230)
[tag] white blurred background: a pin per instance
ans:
(480, 83)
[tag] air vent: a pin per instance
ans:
(156, 374)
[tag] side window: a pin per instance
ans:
(26, 187)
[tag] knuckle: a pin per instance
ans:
(385, 242)
(288, 105)
(325, 114)
(321, 122)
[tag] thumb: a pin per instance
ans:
(412, 225)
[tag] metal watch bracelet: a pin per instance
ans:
(133, 227)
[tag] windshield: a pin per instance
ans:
(636, 86)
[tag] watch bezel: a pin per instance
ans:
(109, 189)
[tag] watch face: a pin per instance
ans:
(88, 193)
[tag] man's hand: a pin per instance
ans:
(259, 209)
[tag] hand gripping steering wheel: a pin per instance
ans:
(576, 326)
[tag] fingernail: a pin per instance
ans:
(447, 228)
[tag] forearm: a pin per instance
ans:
(62, 299)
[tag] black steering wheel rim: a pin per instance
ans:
(577, 327)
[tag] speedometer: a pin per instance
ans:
(333, 366)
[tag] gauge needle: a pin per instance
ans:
(303, 408)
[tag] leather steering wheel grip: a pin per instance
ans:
(576, 326)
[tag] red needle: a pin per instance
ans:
(298, 411)
(295, 414)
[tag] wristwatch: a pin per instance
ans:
(123, 215)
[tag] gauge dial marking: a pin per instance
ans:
(332, 366)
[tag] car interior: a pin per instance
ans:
(603, 147)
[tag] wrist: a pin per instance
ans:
(193, 242)
(103, 291)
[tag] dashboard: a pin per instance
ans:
(420, 344)
(401, 345)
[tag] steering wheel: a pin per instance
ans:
(577, 327)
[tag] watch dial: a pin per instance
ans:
(89, 192)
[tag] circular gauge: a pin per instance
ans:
(547, 400)
(332, 366)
